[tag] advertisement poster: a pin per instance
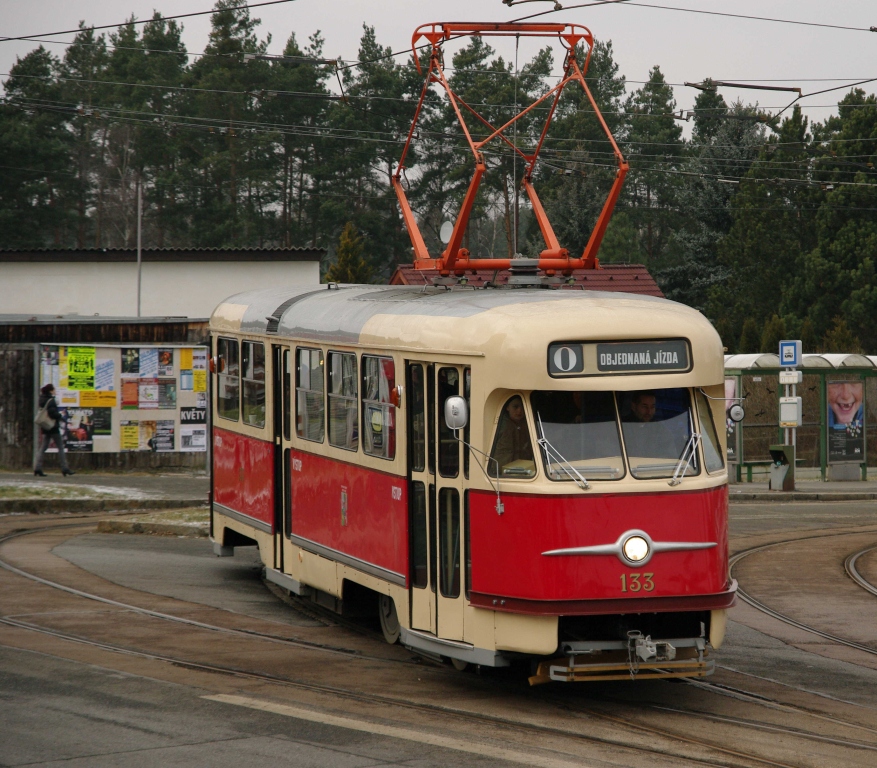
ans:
(102, 418)
(193, 415)
(199, 359)
(131, 361)
(163, 439)
(148, 363)
(129, 432)
(105, 375)
(80, 368)
(165, 362)
(96, 399)
(193, 439)
(80, 430)
(148, 394)
(167, 393)
(846, 420)
(187, 380)
(199, 380)
(130, 394)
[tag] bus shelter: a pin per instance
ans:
(838, 435)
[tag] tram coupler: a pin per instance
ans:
(645, 649)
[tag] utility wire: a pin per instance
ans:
(148, 21)
(706, 13)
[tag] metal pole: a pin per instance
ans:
(139, 241)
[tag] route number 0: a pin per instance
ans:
(630, 582)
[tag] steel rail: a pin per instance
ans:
(758, 605)
(853, 573)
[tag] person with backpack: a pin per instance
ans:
(52, 434)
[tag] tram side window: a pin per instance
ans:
(343, 411)
(309, 389)
(253, 369)
(228, 381)
(419, 562)
(712, 451)
(378, 412)
(656, 426)
(449, 542)
(416, 418)
(512, 454)
(449, 445)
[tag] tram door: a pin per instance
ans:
(282, 402)
(436, 494)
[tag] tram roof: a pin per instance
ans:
(340, 313)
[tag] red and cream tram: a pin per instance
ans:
(533, 471)
(575, 513)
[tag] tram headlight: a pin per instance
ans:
(635, 549)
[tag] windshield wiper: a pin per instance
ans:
(687, 455)
(551, 451)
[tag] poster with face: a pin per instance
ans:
(846, 422)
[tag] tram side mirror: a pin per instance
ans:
(216, 364)
(456, 412)
(736, 413)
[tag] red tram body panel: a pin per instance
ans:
(243, 475)
(364, 517)
(533, 525)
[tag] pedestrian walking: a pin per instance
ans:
(52, 434)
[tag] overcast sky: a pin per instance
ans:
(687, 46)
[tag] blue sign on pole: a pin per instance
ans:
(790, 354)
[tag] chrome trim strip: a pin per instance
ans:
(353, 562)
(454, 649)
(617, 548)
(241, 517)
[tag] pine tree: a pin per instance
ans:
(349, 266)
(750, 338)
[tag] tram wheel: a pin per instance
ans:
(389, 619)
(459, 664)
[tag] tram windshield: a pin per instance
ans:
(585, 431)
(657, 426)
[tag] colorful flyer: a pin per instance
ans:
(199, 379)
(148, 363)
(193, 439)
(148, 393)
(129, 435)
(186, 358)
(165, 362)
(167, 393)
(80, 368)
(105, 375)
(98, 399)
(131, 361)
(163, 439)
(130, 394)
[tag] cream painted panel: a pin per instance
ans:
(526, 634)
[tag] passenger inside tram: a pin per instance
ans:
(656, 426)
(512, 451)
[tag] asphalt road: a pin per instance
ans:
(73, 713)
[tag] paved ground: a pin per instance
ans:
(192, 488)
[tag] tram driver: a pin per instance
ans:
(512, 449)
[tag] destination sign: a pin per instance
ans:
(643, 356)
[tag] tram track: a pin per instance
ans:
(427, 708)
(467, 715)
(853, 573)
(767, 610)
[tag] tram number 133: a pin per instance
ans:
(630, 582)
